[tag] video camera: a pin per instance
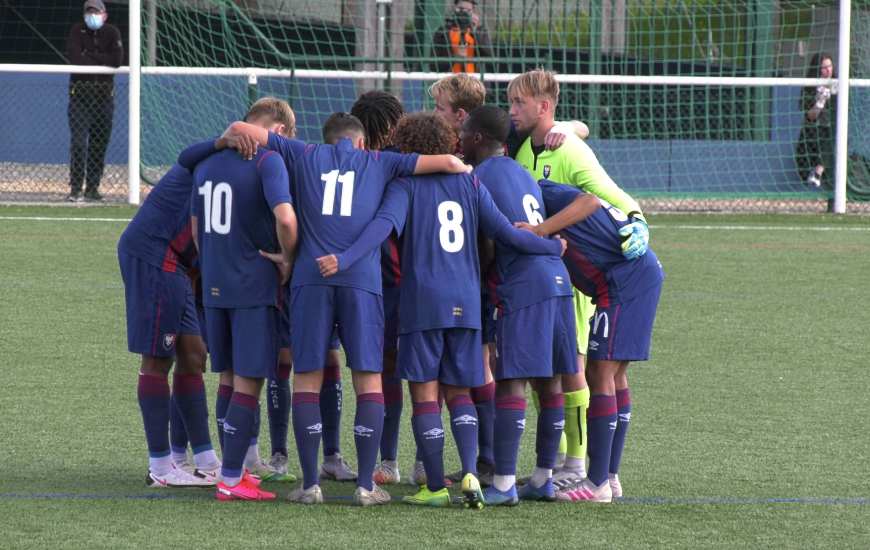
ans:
(461, 18)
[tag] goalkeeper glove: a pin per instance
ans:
(823, 94)
(637, 233)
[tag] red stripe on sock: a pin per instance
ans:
(184, 384)
(225, 391)
(483, 393)
(245, 399)
(623, 398)
(305, 397)
(393, 392)
(460, 399)
(284, 370)
(152, 386)
(426, 407)
(553, 401)
(332, 372)
(601, 405)
(509, 402)
(376, 397)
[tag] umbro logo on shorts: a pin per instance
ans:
(315, 428)
(362, 431)
(593, 345)
(434, 433)
(464, 419)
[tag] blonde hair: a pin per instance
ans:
(537, 84)
(275, 110)
(462, 91)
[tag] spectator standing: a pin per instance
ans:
(462, 39)
(815, 148)
(91, 101)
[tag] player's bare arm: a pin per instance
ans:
(581, 208)
(194, 232)
(430, 164)
(286, 229)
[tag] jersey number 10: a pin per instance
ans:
(214, 207)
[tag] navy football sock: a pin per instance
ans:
(484, 403)
(600, 425)
(510, 421)
(153, 395)
(278, 407)
(394, 397)
(330, 409)
(238, 428)
(221, 404)
(177, 433)
(551, 423)
(429, 434)
(463, 424)
(307, 430)
(189, 393)
(368, 425)
(623, 411)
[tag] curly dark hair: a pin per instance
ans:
(426, 134)
(379, 113)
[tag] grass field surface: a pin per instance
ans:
(749, 423)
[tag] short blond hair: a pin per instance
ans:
(462, 91)
(537, 84)
(275, 110)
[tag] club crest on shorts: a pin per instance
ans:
(547, 171)
(168, 341)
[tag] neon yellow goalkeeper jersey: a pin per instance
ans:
(575, 164)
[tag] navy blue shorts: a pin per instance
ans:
(315, 310)
(243, 339)
(391, 316)
(538, 341)
(488, 316)
(449, 355)
(160, 306)
(200, 316)
(285, 337)
(622, 332)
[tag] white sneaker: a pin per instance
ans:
(565, 479)
(375, 497)
(615, 485)
(266, 472)
(336, 468)
(185, 465)
(178, 479)
(418, 474)
(586, 491)
(387, 473)
(212, 472)
(279, 463)
(813, 179)
(312, 495)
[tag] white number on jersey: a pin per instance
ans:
(614, 212)
(218, 209)
(531, 206)
(346, 181)
(451, 234)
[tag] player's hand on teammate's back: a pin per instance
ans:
(637, 242)
(554, 140)
(283, 267)
(328, 265)
(529, 227)
(244, 144)
(564, 244)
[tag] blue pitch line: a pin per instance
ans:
(664, 500)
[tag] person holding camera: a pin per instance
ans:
(815, 149)
(462, 39)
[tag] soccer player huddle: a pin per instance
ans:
(418, 245)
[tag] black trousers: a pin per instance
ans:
(90, 127)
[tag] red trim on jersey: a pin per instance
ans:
(475, 181)
(309, 147)
(264, 156)
(592, 273)
(376, 155)
(157, 326)
(178, 244)
(394, 259)
(458, 149)
(612, 332)
(492, 283)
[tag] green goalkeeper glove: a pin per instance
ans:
(637, 232)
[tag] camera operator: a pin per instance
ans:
(462, 39)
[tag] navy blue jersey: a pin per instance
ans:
(440, 267)
(159, 233)
(594, 256)
(338, 191)
(521, 279)
(289, 149)
(391, 250)
(233, 200)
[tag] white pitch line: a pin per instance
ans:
(38, 219)
(758, 228)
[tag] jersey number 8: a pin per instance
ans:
(214, 207)
(451, 235)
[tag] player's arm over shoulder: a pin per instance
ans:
(581, 207)
(583, 170)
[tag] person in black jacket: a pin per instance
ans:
(462, 39)
(91, 103)
(815, 149)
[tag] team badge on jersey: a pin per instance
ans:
(168, 341)
(547, 171)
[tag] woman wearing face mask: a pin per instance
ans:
(91, 104)
(815, 148)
